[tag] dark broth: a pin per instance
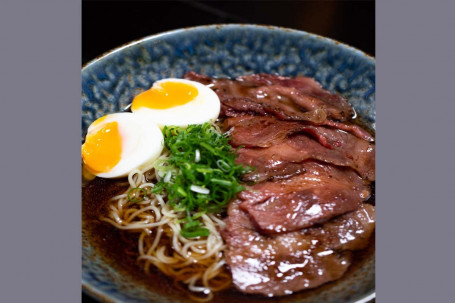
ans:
(119, 249)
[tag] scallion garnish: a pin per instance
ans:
(195, 232)
(205, 176)
(199, 189)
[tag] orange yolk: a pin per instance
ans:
(102, 149)
(165, 95)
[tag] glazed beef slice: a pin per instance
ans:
(315, 196)
(276, 265)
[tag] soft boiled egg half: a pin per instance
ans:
(177, 102)
(118, 143)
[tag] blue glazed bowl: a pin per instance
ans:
(110, 82)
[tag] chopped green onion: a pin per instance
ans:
(181, 191)
(168, 176)
(196, 232)
(204, 174)
(199, 189)
(206, 170)
(197, 156)
(208, 147)
(191, 224)
(223, 165)
(221, 182)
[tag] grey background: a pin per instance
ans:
(40, 62)
(40, 88)
(415, 149)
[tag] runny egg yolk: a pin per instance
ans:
(165, 95)
(102, 149)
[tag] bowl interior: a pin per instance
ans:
(110, 82)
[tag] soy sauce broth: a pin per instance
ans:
(119, 250)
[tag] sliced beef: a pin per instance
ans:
(286, 156)
(259, 131)
(351, 231)
(282, 264)
(259, 126)
(284, 109)
(204, 79)
(350, 128)
(295, 229)
(295, 99)
(228, 123)
(268, 131)
(242, 105)
(315, 196)
(304, 101)
(304, 85)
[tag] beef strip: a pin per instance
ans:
(297, 231)
(283, 159)
(350, 128)
(268, 131)
(261, 123)
(304, 85)
(281, 264)
(284, 109)
(321, 193)
(294, 99)
(306, 101)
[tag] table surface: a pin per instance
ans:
(108, 24)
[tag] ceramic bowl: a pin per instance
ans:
(111, 81)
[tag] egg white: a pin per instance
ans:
(142, 143)
(205, 107)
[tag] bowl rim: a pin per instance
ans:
(219, 26)
(89, 289)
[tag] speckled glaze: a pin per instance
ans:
(110, 82)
